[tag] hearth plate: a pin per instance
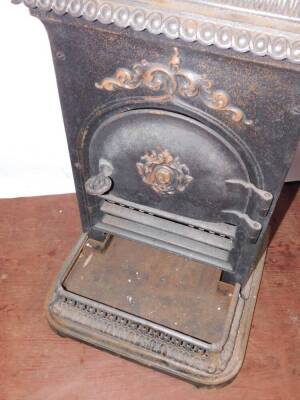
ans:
(154, 307)
(155, 285)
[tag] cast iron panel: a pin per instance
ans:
(124, 139)
(87, 55)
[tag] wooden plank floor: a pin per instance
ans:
(36, 234)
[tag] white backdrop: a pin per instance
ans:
(34, 157)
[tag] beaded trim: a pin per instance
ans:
(206, 30)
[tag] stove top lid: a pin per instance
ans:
(263, 27)
(288, 9)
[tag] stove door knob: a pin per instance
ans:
(101, 183)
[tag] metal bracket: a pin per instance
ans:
(263, 199)
(252, 228)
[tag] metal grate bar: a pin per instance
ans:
(167, 226)
(165, 237)
(221, 229)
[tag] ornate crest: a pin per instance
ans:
(172, 80)
(163, 172)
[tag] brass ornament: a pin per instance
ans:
(163, 172)
(172, 80)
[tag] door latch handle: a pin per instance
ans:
(101, 183)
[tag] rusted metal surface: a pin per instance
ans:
(152, 284)
(129, 331)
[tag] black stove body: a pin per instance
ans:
(195, 144)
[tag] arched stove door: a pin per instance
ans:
(171, 181)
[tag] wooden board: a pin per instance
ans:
(36, 234)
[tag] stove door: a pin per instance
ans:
(170, 178)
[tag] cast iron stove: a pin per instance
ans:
(182, 119)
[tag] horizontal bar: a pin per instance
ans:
(218, 227)
(168, 226)
(122, 228)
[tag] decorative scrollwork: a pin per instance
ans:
(172, 80)
(163, 172)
